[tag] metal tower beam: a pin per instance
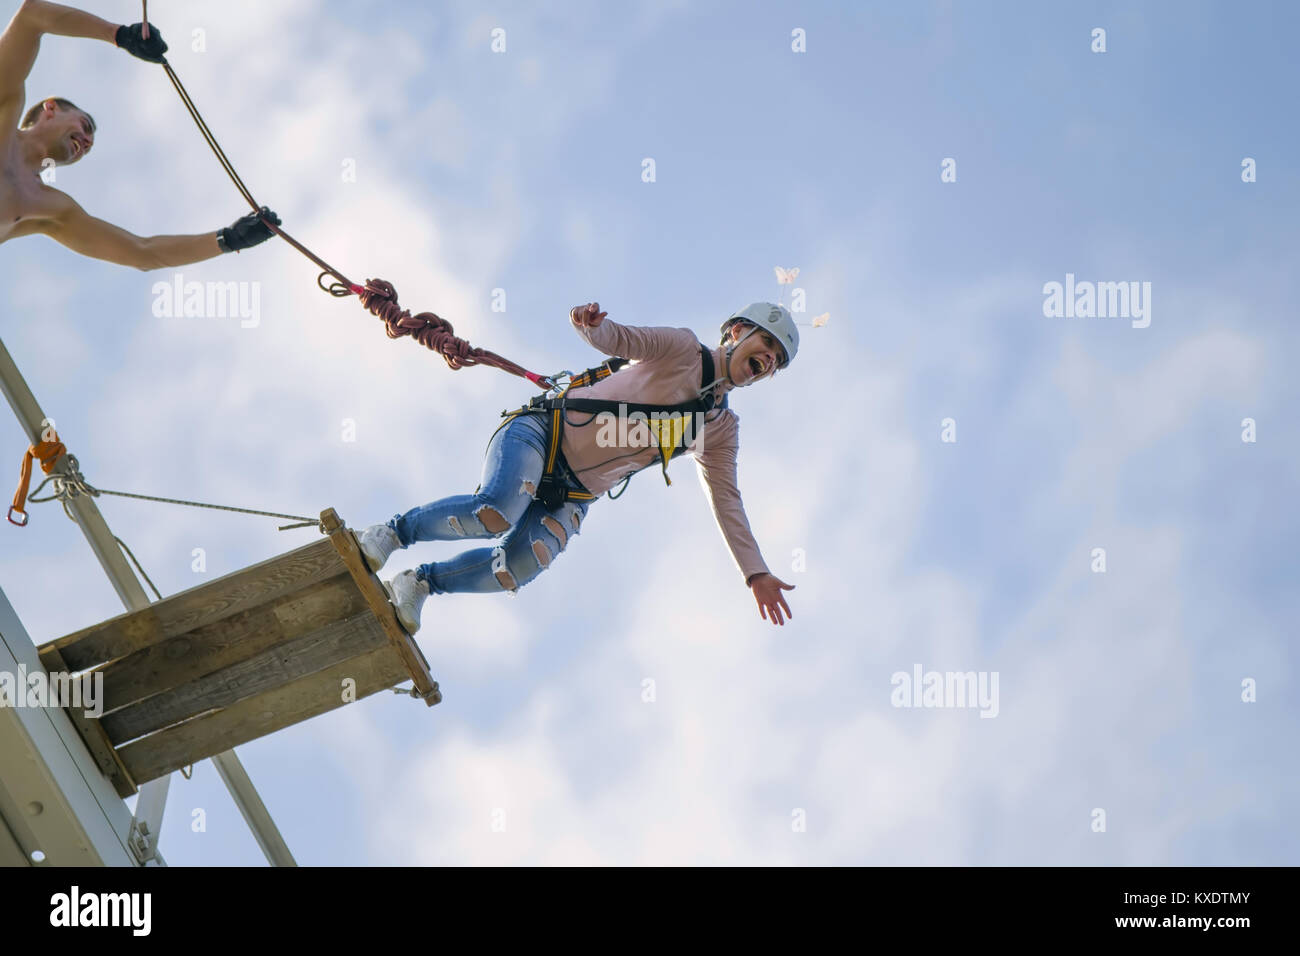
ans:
(104, 544)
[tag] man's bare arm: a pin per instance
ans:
(58, 20)
(21, 42)
(83, 233)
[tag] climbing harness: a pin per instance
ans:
(669, 422)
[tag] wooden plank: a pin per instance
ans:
(199, 606)
(237, 658)
(213, 647)
(408, 651)
(183, 744)
(92, 733)
(306, 654)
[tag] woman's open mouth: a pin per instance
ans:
(755, 367)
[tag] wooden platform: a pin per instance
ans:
(238, 658)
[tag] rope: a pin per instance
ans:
(431, 331)
(343, 286)
(49, 453)
(378, 296)
(122, 544)
(71, 485)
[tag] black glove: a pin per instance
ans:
(247, 232)
(131, 40)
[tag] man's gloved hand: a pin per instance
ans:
(247, 232)
(132, 41)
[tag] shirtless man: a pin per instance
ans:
(57, 131)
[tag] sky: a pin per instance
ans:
(1141, 710)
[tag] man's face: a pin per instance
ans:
(67, 134)
(756, 357)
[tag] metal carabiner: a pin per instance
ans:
(559, 381)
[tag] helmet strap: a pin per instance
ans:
(731, 347)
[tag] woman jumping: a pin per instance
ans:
(659, 398)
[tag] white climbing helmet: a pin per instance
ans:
(770, 318)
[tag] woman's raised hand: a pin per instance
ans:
(588, 315)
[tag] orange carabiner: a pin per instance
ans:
(48, 453)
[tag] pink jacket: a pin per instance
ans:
(665, 369)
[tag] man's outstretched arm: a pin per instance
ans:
(84, 234)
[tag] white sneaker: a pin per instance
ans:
(407, 593)
(378, 542)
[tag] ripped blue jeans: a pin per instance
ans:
(534, 536)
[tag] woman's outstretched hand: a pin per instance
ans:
(588, 315)
(767, 590)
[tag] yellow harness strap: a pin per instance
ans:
(569, 493)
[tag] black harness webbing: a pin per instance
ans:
(551, 490)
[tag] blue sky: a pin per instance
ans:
(521, 171)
